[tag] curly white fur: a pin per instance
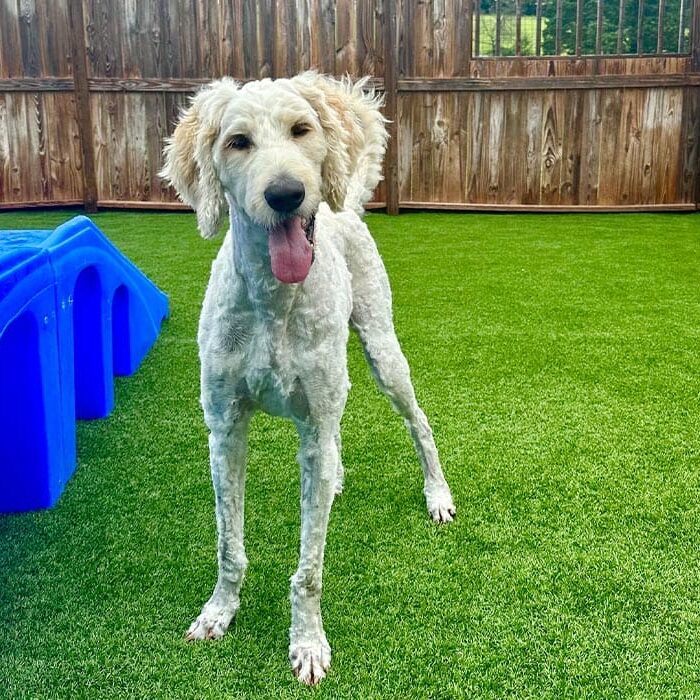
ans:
(282, 347)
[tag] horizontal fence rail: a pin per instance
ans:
(493, 104)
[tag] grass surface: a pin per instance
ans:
(558, 358)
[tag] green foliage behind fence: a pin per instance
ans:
(675, 23)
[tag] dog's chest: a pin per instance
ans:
(270, 362)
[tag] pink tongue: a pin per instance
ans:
(290, 252)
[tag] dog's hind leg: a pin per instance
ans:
(372, 319)
(227, 450)
(392, 374)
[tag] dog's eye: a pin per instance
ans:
(239, 142)
(300, 129)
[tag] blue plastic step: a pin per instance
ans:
(74, 312)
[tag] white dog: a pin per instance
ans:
(294, 160)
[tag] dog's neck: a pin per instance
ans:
(251, 259)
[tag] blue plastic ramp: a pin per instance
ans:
(74, 312)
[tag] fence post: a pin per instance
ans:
(391, 159)
(82, 103)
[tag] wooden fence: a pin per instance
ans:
(90, 88)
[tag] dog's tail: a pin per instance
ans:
(366, 171)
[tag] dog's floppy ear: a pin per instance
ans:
(355, 136)
(189, 164)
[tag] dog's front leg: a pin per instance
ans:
(309, 652)
(228, 441)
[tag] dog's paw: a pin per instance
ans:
(212, 622)
(440, 504)
(310, 661)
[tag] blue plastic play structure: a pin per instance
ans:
(73, 312)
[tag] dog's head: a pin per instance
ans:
(277, 149)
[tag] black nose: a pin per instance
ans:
(285, 194)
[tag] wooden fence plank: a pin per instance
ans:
(550, 178)
(459, 146)
(25, 178)
(79, 55)
(54, 37)
(475, 141)
(63, 147)
(44, 170)
(103, 26)
(29, 39)
(623, 114)
(571, 147)
(689, 156)
(10, 52)
(406, 147)
(590, 148)
(669, 133)
(459, 42)
(6, 190)
(391, 165)
(111, 156)
(491, 170)
(695, 36)
(651, 120)
(533, 147)
(137, 182)
(345, 38)
(513, 169)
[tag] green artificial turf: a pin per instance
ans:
(558, 358)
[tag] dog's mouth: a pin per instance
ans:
(309, 226)
(291, 244)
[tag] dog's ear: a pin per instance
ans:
(189, 165)
(355, 136)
